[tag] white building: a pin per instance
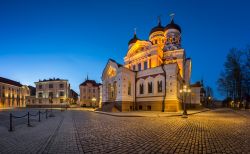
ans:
(55, 92)
(154, 70)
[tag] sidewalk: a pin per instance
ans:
(150, 113)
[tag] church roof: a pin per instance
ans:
(119, 65)
(11, 82)
(172, 25)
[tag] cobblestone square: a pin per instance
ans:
(72, 131)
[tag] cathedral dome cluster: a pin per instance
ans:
(167, 37)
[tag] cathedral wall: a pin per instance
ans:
(149, 105)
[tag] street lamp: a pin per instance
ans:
(184, 91)
(51, 102)
(94, 100)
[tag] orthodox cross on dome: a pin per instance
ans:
(172, 16)
(159, 19)
(134, 31)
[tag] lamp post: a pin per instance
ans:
(184, 91)
(94, 101)
(209, 101)
(51, 102)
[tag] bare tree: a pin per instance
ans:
(230, 82)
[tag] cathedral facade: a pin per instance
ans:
(153, 73)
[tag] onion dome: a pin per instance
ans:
(172, 25)
(159, 27)
(133, 40)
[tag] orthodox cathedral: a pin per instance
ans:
(153, 73)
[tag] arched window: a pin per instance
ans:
(159, 85)
(129, 88)
(141, 88)
(150, 87)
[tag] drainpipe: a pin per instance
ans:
(163, 101)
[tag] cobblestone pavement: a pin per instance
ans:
(219, 131)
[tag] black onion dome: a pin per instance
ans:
(133, 40)
(159, 27)
(172, 25)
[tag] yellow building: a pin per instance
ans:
(154, 71)
(12, 93)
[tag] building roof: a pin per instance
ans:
(52, 79)
(93, 82)
(73, 92)
(197, 84)
(11, 82)
(119, 65)
(172, 25)
(32, 90)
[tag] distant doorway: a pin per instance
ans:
(148, 108)
(140, 107)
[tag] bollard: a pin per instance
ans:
(11, 129)
(46, 114)
(28, 119)
(39, 115)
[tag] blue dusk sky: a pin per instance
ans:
(42, 39)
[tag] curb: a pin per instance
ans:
(177, 115)
(117, 115)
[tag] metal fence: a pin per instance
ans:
(28, 115)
